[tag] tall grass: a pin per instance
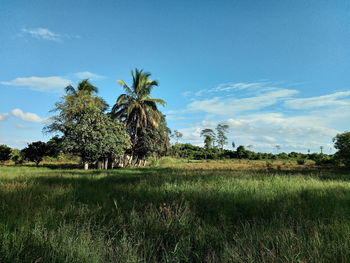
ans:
(173, 215)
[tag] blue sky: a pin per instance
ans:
(276, 71)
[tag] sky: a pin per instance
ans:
(277, 72)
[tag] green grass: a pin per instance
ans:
(173, 215)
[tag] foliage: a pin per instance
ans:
(35, 152)
(16, 156)
(55, 146)
(153, 140)
(177, 135)
(136, 108)
(209, 138)
(221, 137)
(96, 136)
(342, 144)
(301, 161)
(5, 153)
(87, 131)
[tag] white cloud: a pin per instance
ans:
(88, 75)
(44, 84)
(21, 126)
(264, 115)
(43, 33)
(26, 116)
(3, 116)
(225, 106)
(320, 101)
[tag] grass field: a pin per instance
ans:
(184, 213)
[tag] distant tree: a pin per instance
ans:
(278, 148)
(177, 135)
(55, 146)
(35, 152)
(250, 146)
(221, 138)
(342, 144)
(242, 152)
(233, 145)
(5, 153)
(209, 138)
(16, 156)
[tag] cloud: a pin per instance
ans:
(225, 106)
(26, 116)
(266, 114)
(3, 116)
(44, 84)
(228, 87)
(88, 75)
(21, 126)
(320, 101)
(43, 33)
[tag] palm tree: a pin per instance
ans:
(83, 92)
(136, 108)
(83, 86)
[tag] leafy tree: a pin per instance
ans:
(242, 152)
(153, 140)
(16, 156)
(233, 145)
(136, 108)
(177, 135)
(87, 131)
(5, 153)
(278, 148)
(35, 152)
(55, 146)
(342, 144)
(83, 86)
(209, 138)
(221, 138)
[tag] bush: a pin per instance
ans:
(5, 153)
(301, 161)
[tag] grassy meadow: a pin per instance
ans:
(195, 212)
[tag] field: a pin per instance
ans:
(209, 212)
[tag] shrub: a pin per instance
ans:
(5, 153)
(301, 161)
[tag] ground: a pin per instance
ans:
(194, 212)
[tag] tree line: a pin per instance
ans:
(133, 130)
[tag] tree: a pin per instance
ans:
(153, 140)
(177, 135)
(342, 144)
(87, 131)
(233, 145)
(209, 138)
(321, 149)
(278, 148)
(221, 138)
(242, 152)
(55, 146)
(83, 86)
(5, 153)
(35, 152)
(136, 108)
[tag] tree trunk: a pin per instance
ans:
(99, 164)
(105, 164)
(86, 166)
